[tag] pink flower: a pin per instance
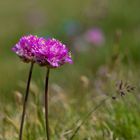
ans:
(95, 36)
(24, 48)
(52, 53)
(45, 52)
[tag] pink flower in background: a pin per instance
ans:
(52, 53)
(95, 36)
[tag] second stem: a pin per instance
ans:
(46, 104)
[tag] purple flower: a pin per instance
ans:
(24, 48)
(52, 53)
(95, 36)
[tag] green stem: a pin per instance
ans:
(25, 101)
(46, 104)
(86, 118)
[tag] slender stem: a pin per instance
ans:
(87, 116)
(46, 104)
(25, 101)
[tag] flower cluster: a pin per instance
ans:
(24, 48)
(46, 52)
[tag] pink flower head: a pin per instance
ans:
(24, 48)
(52, 53)
(95, 36)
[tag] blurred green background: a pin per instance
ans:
(119, 57)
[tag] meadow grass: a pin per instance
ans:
(71, 101)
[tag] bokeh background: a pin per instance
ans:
(103, 37)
